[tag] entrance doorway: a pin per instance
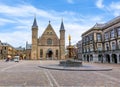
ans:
(49, 54)
(114, 58)
(108, 58)
(87, 58)
(91, 57)
(100, 58)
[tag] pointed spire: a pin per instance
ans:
(49, 21)
(62, 26)
(35, 23)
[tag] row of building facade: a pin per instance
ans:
(8, 51)
(101, 43)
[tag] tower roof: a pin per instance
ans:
(62, 26)
(35, 23)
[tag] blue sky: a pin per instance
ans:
(16, 17)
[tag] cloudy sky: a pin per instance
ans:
(16, 17)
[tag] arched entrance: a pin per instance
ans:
(100, 58)
(108, 58)
(88, 58)
(119, 58)
(114, 58)
(49, 54)
(91, 57)
(84, 58)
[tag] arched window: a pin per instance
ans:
(56, 53)
(41, 52)
(49, 41)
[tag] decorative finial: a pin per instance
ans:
(49, 21)
(34, 15)
(34, 22)
(62, 25)
(62, 19)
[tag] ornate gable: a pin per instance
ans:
(49, 37)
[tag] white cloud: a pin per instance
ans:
(24, 11)
(22, 15)
(16, 38)
(114, 7)
(70, 1)
(3, 21)
(99, 4)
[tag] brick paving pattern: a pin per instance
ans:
(28, 74)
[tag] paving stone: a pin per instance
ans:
(27, 73)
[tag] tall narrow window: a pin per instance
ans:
(106, 36)
(112, 34)
(1, 51)
(56, 53)
(98, 37)
(5, 48)
(113, 46)
(91, 48)
(49, 41)
(87, 39)
(107, 47)
(119, 44)
(91, 37)
(99, 47)
(118, 31)
(41, 52)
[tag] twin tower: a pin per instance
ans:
(48, 45)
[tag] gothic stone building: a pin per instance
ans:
(48, 46)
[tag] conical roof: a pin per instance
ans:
(62, 26)
(35, 23)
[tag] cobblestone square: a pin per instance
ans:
(27, 73)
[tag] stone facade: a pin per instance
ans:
(6, 50)
(28, 51)
(48, 46)
(20, 51)
(79, 50)
(101, 43)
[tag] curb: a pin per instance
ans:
(68, 69)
